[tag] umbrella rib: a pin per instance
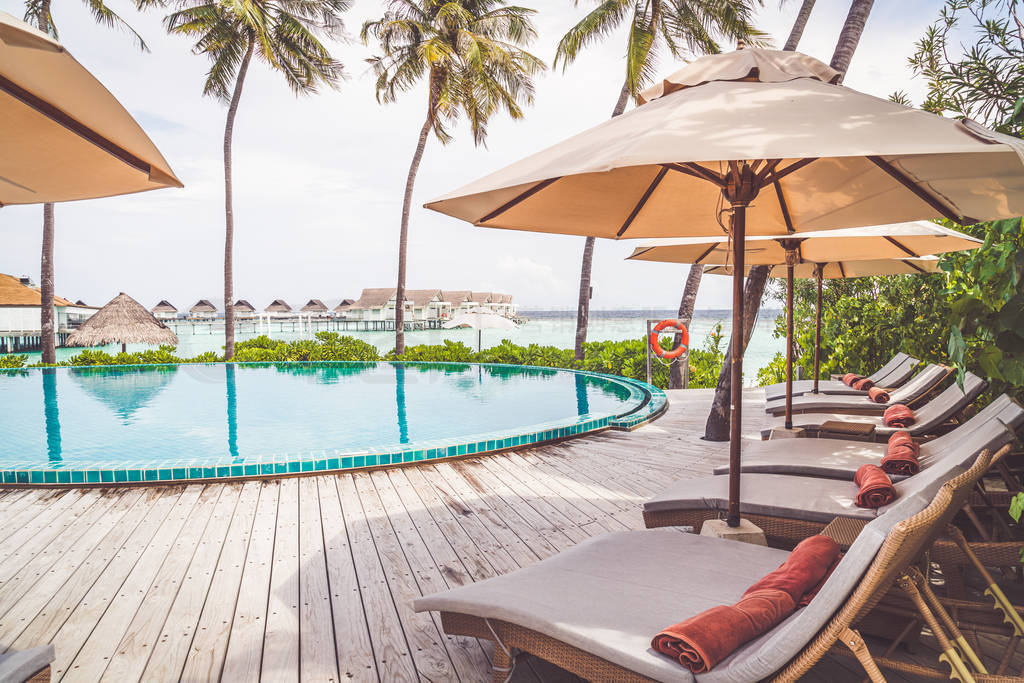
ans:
(705, 254)
(784, 206)
(770, 167)
(77, 127)
(705, 173)
(515, 200)
(792, 168)
(643, 200)
(922, 194)
(917, 268)
(842, 271)
(901, 247)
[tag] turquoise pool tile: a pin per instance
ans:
(346, 462)
(250, 470)
(107, 476)
(293, 467)
(280, 468)
(385, 459)
(307, 465)
(371, 460)
(165, 474)
(9, 477)
(209, 472)
(320, 465)
(21, 477)
(452, 450)
(195, 472)
(333, 463)
(359, 461)
(266, 468)
(63, 477)
(237, 471)
(179, 473)
(92, 476)
(120, 475)
(409, 456)
(223, 471)
(50, 477)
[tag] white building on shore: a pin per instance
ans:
(20, 303)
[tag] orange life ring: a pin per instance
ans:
(677, 351)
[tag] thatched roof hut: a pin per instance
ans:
(315, 306)
(81, 303)
(421, 297)
(203, 306)
(164, 306)
(375, 297)
(456, 298)
(122, 320)
(278, 306)
(344, 305)
(243, 306)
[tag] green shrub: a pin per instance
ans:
(12, 361)
(774, 372)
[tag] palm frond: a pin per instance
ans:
(105, 16)
(599, 23)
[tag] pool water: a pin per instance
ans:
(203, 421)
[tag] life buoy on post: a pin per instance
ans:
(678, 351)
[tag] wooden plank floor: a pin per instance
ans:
(312, 578)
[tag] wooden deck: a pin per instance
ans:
(312, 578)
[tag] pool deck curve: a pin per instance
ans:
(312, 578)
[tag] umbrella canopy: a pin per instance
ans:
(846, 246)
(65, 137)
(758, 138)
(835, 270)
(480, 318)
(124, 320)
(821, 155)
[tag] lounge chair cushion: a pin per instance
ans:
(20, 665)
(610, 595)
(893, 374)
(921, 384)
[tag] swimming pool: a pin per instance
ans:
(191, 422)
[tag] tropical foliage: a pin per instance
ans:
(471, 53)
(624, 358)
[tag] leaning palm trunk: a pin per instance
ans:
(229, 213)
(799, 25)
(717, 427)
(675, 372)
(46, 325)
(583, 307)
(850, 35)
(403, 237)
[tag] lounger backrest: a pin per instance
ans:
(845, 590)
(886, 369)
(898, 376)
(1003, 410)
(919, 385)
(947, 404)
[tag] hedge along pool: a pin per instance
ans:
(162, 423)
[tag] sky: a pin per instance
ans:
(319, 179)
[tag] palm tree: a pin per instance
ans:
(683, 27)
(799, 25)
(471, 54)
(284, 35)
(40, 13)
(853, 27)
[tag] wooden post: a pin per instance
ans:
(819, 270)
(789, 339)
(739, 226)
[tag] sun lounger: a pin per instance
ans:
(26, 665)
(930, 416)
(594, 608)
(893, 374)
(910, 394)
(840, 459)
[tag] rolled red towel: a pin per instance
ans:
(901, 455)
(803, 569)
(863, 384)
(702, 641)
(878, 395)
(850, 378)
(875, 487)
(898, 416)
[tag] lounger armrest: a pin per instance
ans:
(21, 665)
(854, 429)
(844, 530)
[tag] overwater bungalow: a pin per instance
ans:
(81, 303)
(344, 308)
(278, 308)
(374, 304)
(19, 314)
(244, 310)
(316, 309)
(164, 310)
(426, 304)
(459, 300)
(203, 310)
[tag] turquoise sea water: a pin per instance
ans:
(227, 414)
(555, 328)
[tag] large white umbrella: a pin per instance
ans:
(480, 318)
(64, 136)
(761, 133)
(888, 249)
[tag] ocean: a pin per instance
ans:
(553, 328)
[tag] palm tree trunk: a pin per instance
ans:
(850, 35)
(583, 305)
(403, 237)
(47, 337)
(47, 341)
(229, 212)
(799, 25)
(675, 371)
(717, 427)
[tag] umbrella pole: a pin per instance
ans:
(818, 268)
(789, 342)
(479, 340)
(739, 224)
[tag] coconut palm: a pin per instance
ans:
(470, 53)
(680, 27)
(284, 35)
(40, 13)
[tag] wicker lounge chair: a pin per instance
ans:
(589, 611)
(840, 459)
(891, 375)
(912, 393)
(931, 416)
(21, 666)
